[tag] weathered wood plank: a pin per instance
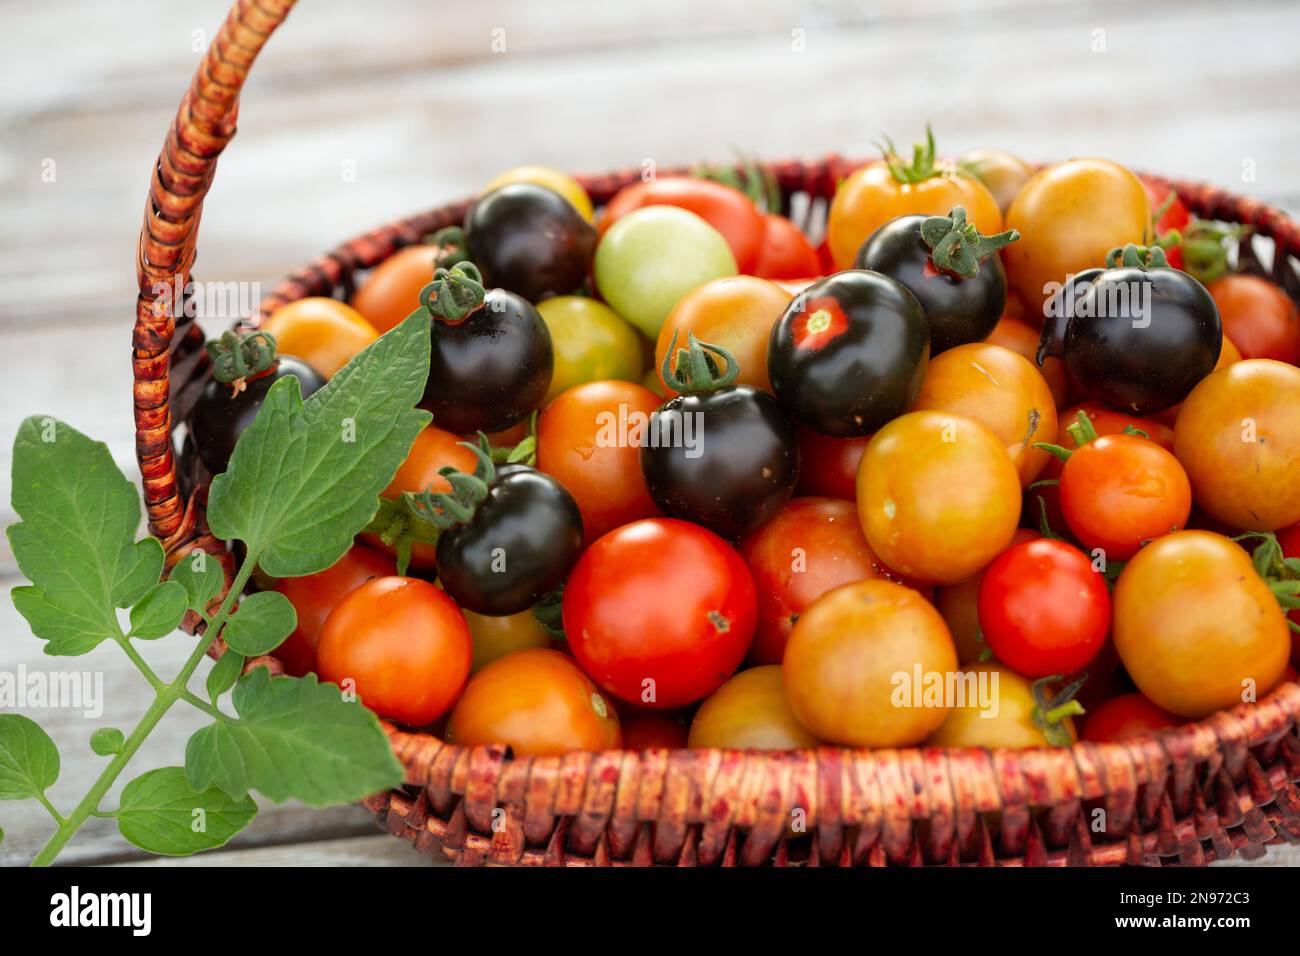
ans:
(373, 850)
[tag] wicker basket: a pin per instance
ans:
(1189, 795)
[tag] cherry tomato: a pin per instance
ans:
(587, 439)
(529, 240)
(812, 546)
(938, 496)
(552, 179)
(829, 466)
(403, 643)
(852, 657)
(1069, 216)
(650, 731)
(537, 702)
(1238, 436)
(660, 612)
(1259, 317)
(1043, 609)
(651, 257)
(785, 252)
(959, 605)
(736, 313)
(1174, 217)
(313, 596)
(591, 341)
(1005, 715)
(1196, 627)
(1119, 491)
(1003, 174)
(392, 290)
(495, 637)
(728, 210)
(1126, 716)
(750, 712)
(1228, 354)
(1016, 335)
(1002, 391)
(324, 333)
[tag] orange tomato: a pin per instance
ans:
(1015, 334)
(495, 637)
(392, 290)
(749, 712)
(1228, 353)
(736, 313)
(1259, 317)
(324, 333)
(1001, 390)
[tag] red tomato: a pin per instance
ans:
(313, 596)
(660, 612)
(727, 210)
(786, 252)
(404, 644)
(647, 731)
(1259, 317)
(1175, 216)
(1043, 609)
(829, 466)
(1129, 715)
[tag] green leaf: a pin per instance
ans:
(224, 673)
(294, 738)
(76, 540)
(159, 612)
(160, 812)
(260, 623)
(29, 761)
(107, 741)
(306, 477)
(202, 577)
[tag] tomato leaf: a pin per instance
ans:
(29, 761)
(161, 813)
(306, 477)
(262, 621)
(76, 540)
(224, 673)
(107, 741)
(296, 738)
(201, 576)
(159, 612)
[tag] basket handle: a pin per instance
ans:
(204, 124)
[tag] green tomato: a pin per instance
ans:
(650, 258)
(592, 343)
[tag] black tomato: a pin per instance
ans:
(724, 456)
(529, 240)
(849, 353)
(1138, 335)
(244, 369)
(507, 538)
(490, 358)
(962, 296)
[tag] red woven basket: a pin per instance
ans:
(1189, 795)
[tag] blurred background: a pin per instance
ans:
(357, 114)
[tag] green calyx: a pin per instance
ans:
(548, 612)
(1133, 256)
(752, 178)
(446, 509)
(922, 166)
(1205, 248)
(1280, 573)
(693, 370)
(237, 358)
(957, 247)
(1082, 431)
(454, 293)
(1051, 710)
(451, 247)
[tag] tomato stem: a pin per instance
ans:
(1134, 256)
(693, 371)
(957, 247)
(921, 168)
(237, 358)
(454, 293)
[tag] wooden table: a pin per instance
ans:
(422, 107)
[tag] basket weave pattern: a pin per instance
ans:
(1189, 795)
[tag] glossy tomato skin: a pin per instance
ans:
(959, 605)
(1015, 334)
(220, 417)
(538, 703)
(1003, 174)
(1043, 609)
(737, 471)
(1260, 318)
(660, 612)
(592, 343)
(519, 544)
(323, 332)
(1140, 339)
(529, 240)
(552, 179)
(492, 369)
(750, 712)
(727, 210)
(581, 445)
(313, 596)
(652, 731)
(849, 353)
(958, 309)
(785, 252)
(1124, 717)
(496, 636)
(403, 642)
(829, 466)
(1119, 491)
(1196, 627)
(811, 546)
(392, 290)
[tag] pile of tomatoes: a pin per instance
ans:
(694, 479)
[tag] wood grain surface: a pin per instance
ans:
(360, 113)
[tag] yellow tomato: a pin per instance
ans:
(592, 343)
(749, 712)
(495, 637)
(324, 333)
(999, 712)
(552, 179)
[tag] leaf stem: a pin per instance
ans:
(141, 665)
(45, 802)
